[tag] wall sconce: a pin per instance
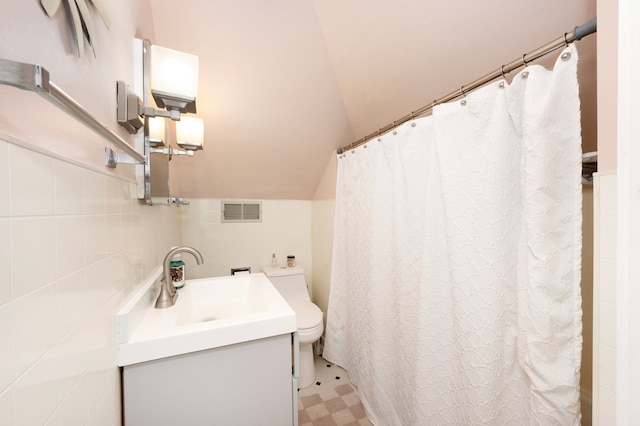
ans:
(174, 79)
(171, 77)
(157, 131)
(190, 133)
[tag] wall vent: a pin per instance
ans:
(240, 211)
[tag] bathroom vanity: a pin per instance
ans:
(243, 384)
(222, 355)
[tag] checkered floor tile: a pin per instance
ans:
(338, 406)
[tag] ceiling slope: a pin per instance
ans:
(267, 92)
(283, 83)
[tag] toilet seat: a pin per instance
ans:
(308, 315)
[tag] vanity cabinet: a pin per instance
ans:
(248, 383)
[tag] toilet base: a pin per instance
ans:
(306, 370)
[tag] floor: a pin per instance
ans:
(331, 401)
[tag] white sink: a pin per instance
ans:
(217, 299)
(209, 313)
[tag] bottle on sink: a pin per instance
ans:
(177, 271)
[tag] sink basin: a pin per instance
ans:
(222, 299)
(209, 313)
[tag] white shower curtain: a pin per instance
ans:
(455, 292)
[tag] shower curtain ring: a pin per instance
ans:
(413, 117)
(462, 91)
(502, 72)
(566, 42)
(523, 61)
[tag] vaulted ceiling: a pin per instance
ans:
(284, 83)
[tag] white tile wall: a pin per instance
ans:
(5, 259)
(31, 181)
(285, 230)
(73, 243)
(4, 180)
(69, 189)
(604, 300)
(33, 259)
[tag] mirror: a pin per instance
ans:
(159, 176)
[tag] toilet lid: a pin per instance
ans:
(308, 315)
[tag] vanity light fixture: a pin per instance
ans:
(157, 131)
(174, 79)
(190, 133)
(171, 77)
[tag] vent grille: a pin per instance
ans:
(234, 211)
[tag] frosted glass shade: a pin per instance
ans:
(157, 129)
(190, 132)
(174, 79)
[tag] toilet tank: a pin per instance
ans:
(289, 282)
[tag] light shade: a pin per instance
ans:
(157, 128)
(174, 79)
(190, 133)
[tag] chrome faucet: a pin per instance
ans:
(168, 293)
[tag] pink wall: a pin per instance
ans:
(28, 35)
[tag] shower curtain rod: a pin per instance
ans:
(577, 34)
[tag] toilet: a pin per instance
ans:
(291, 284)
